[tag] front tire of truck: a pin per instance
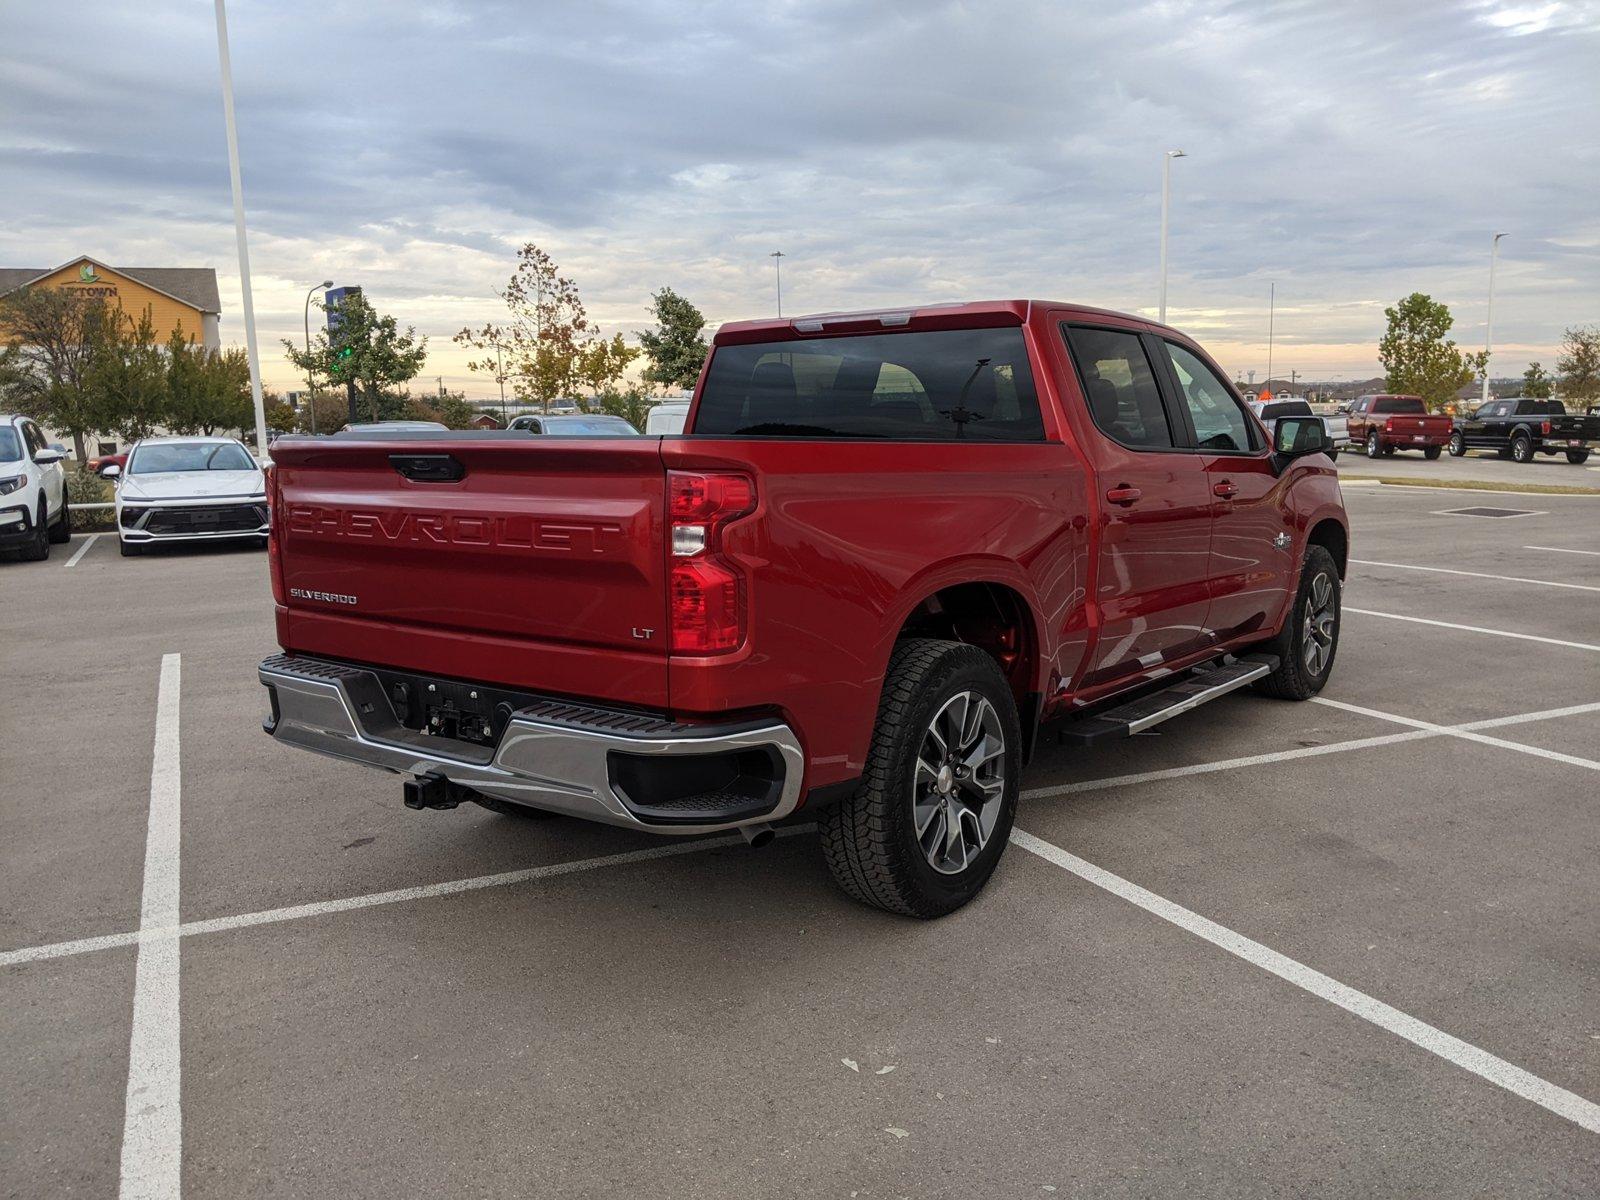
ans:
(929, 821)
(1310, 636)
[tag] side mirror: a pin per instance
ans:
(1296, 437)
(47, 456)
(1342, 409)
(110, 472)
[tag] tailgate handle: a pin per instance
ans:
(428, 468)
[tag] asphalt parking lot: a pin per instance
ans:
(1270, 949)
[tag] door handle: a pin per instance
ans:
(1123, 494)
(1224, 489)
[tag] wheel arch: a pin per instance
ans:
(1331, 534)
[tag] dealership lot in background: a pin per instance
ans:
(722, 1021)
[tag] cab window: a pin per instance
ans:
(1219, 423)
(1120, 387)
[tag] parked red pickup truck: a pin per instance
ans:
(888, 548)
(1384, 424)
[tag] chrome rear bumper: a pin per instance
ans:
(553, 754)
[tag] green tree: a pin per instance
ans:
(1579, 364)
(1536, 382)
(207, 390)
(51, 334)
(631, 404)
(450, 409)
(1418, 358)
(602, 363)
(331, 413)
(675, 348)
(126, 380)
(541, 343)
(368, 349)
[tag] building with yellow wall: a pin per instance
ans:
(177, 297)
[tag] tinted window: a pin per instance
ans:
(10, 444)
(588, 427)
(1288, 408)
(1219, 422)
(1399, 404)
(972, 384)
(1549, 408)
(190, 456)
(1120, 387)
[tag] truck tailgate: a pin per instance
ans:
(541, 567)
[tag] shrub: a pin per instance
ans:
(85, 487)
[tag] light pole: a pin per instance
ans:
(311, 383)
(1166, 203)
(238, 228)
(1488, 321)
(1272, 312)
(500, 374)
(777, 257)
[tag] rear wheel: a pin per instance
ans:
(1430, 452)
(1458, 445)
(1374, 445)
(1310, 638)
(923, 832)
(1522, 448)
(1576, 457)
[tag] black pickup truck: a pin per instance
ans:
(1519, 428)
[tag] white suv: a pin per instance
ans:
(33, 490)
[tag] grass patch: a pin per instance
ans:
(1475, 485)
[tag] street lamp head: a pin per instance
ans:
(327, 283)
(777, 254)
(1176, 154)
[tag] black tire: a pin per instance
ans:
(1431, 453)
(38, 547)
(870, 840)
(507, 809)
(1333, 456)
(1458, 445)
(1577, 457)
(1297, 676)
(1374, 445)
(129, 549)
(1521, 448)
(61, 531)
(1503, 452)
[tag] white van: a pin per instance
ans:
(667, 418)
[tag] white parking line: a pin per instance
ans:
(1580, 587)
(426, 891)
(1570, 1105)
(1565, 550)
(152, 1124)
(82, 550)
(1458, 731)
(1256, 760)
(1505, 633)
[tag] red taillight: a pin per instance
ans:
(707, 601)
(1544, 428)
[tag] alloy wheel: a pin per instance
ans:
(1319, 625)
(959, 782)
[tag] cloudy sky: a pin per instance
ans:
(1350, 151)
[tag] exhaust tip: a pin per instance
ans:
(758, 835)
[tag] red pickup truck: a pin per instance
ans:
(889, 547)
(1384, 424)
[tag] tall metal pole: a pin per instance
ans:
(1272, 312)
(1488, 321)
(777, 257)
(1166, 203)
(500, 374)
(311, 383)
(238, 229)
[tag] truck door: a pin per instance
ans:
(1249, 570)
(1154, 510)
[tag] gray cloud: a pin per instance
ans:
(1352, 152)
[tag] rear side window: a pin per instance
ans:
(1120, 387)
(1399, 404)
(945, 385)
